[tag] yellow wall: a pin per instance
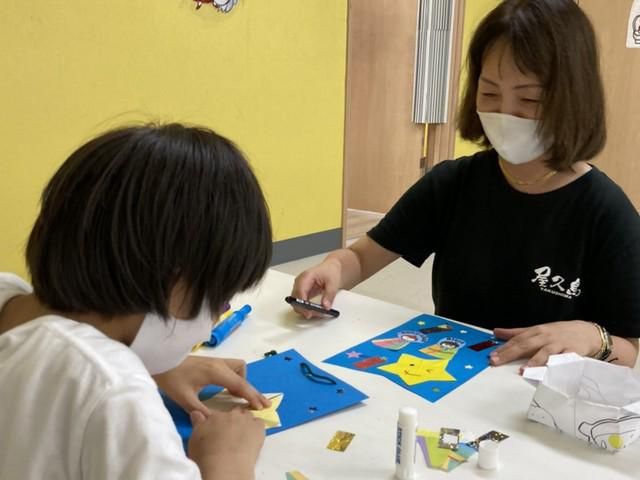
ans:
(475, 10)
(269, 75)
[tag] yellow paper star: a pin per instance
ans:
(224, 401)
(414, 370)
(270, 414)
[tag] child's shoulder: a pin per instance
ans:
(76, 351)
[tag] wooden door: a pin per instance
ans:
(383, 146)
(620, 159)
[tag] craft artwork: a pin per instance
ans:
(303, 392)
(429, 355)
(592, 400)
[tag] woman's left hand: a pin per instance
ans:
(183, 383)
(538, 342)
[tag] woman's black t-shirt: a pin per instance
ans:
(504, 258)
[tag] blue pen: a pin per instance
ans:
(228, 326)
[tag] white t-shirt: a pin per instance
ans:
(75, 404)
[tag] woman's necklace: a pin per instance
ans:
(519, 182)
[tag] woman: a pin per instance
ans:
(529, 239)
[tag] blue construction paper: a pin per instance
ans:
(464, 365)
(304, 400)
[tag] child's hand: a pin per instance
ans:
(183, 383)
(226, 444)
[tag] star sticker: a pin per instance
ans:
(414, 370)
(353, 354)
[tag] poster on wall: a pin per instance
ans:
(633, 31)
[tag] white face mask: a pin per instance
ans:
(515, 139)
(163, 344)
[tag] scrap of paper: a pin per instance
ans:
(340, 441)
(449, 438)
(224, 402)
(442, 458)
(295, 475)
(492, 435)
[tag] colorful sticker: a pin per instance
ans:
(369, 362)
(445, 349)
(478, 347)
(390, 343)
(440, 328)
(413, 337)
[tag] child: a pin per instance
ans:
(143, 235)
(529, 239)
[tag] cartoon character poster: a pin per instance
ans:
(428, 355)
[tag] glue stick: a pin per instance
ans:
(406, 443)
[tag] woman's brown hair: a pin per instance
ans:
(554, 40)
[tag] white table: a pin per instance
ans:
(496, 399)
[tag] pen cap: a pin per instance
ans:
(406, 443)
(228, 325)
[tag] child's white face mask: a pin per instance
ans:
(163, 344)
(515, 139)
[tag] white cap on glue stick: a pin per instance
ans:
(406, 443)
(488, 458)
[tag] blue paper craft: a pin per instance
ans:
(309, 392)
(440, 356)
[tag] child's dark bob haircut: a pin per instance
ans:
(139, 209)
(554, 40)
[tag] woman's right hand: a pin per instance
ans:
(226, 444)
(323, 279)
(344, 268)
